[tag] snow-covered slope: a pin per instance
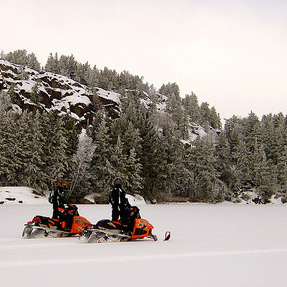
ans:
(21, 194)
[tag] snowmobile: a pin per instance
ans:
(70, 224)
(113, 231)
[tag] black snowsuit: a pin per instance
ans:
(60, 208)
(120, 204)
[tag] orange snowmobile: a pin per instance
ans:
(70, 224)
(113, 231)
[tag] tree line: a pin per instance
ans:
(143, 145)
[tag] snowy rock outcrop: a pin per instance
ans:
(33, 91)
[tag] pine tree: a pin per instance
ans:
(35, 95)
(33, 165)
(149, 156)
(173, 176)
(68, 66)
(190, 103)
(33, 63)
(55, 145)
(243, 163)
(224, 161)
(21, 57)
(7, 132)
(252, 131)
(101, 169)
(118, 159)
(234, 132)
(53, 64)
(262, 173)
(134, 180)
(282, 170)
(202, 163)
(81, 162)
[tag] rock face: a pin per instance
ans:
(33, 91)
(44, 91)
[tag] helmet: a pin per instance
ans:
(118, 182)
(134, 212)
(62, 182)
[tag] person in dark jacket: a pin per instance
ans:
(119, 202)
(58, 199)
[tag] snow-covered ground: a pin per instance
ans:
(210, 245)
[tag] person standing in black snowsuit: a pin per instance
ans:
(119, 202)
(61, 207)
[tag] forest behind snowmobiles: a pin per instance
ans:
(99, 123)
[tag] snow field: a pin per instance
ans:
(210, 245)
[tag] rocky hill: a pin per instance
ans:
(33, 91)
(45, 91)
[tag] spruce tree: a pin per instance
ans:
(134, 180)
(81, 162)
(190, 103)
(224, 163)
(101, 169)
(202, 162)
(243, 163)
(282, 170)
(52, 64)
(55, 146)
(262, 173)
(33, 164)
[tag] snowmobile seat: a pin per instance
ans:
(108, 224)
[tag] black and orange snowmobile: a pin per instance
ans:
(113, 231)
(70, 223)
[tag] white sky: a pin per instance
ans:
(231, 54)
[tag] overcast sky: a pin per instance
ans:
(231, 54)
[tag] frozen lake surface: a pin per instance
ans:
(210, 245)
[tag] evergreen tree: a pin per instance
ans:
(7, 134)
(243, 163)
(83, 73)
(282, 170)
(149, 158)
(56, 160)
(252, 131)
(170, 89)
(190, 103)
(209, 117)
(173, 176)
(224, 161)
(32, 155)
(68, 66)
(81, 162)
(202, 162)
(21, 57)
(118, 159)
(53, 64)
(234, 132)
(262, 173)
(101, 169)
(35, 95)
(134, 180)
(33, 63)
